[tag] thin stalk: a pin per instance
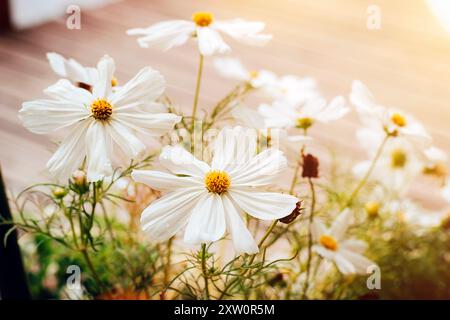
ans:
(169, 257)
(197, 93)
(204, 271)
(368, 173)
(310, 240)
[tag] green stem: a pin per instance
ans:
(91, 268)
(204, 271)
(197, 93)
(368, 173)
(310, 240)
(169, 256)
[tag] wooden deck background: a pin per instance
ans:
(406, 63)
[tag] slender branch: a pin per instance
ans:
(368, 173)
(197, 92)
(204, 271)
(310, 240)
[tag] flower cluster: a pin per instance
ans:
(258, 162)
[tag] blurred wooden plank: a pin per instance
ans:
(405, 63)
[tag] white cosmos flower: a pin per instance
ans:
(331, 244)
(168, 34)
(209, 199)
(72, 69)
(390, 120)
(436, 163)
(285, 115)
(233, 69)
(293, 90)
(399, 164)
(97, 119)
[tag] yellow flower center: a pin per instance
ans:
(398, 159)
(254, 74)
(217, 181)
(328, 242)
(372, 208)
(304, 123)
(203, 19)
(438, 170)
(101, 109)
(398, 119)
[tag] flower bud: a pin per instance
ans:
(79, 178)
(59, 192)
(310, 166)
(372, 208)
(293, 215)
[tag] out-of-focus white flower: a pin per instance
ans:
(436, 162)
(390, 120)
(293, 90)
(407, 211)
(446, 191)
(233, 69)
(97, 119)
(72, 69)
(203, 27)
(345, 253)
(303, 116)
(398, 164)
(208, 199)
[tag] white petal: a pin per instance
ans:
(66, 91)
(126, 140)
(70, 154)
(248, 117)
(99, 149)
(359, 262)
(102, 87)
(231, 68)
(167, 215)
(233, 148)
(153, 124)
(210, 42)
(357, 246)
(71, 69)
(335, 110)
(328, 254)
(340, 225)
(362, 98)
(207, 222)
(165, 181)
(147, 85)
(244, 31)
(165, 35)
(44, 116)
(242, 239)
(318, 229)
(261, 170)
(343, 264)
(264, 205)
(179, 161)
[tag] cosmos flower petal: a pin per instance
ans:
(244, 31)
(153, 124)
(242, 239)
(318, 229)
(99, 150)
(45, 116)
(357, 246)
(70, 154)
(164, 35)
(343, 264)
(164, 217)
(207, 222)
(71, 69)
(147, 85)
(63, 90)
(264, 205)
(102, 88)
(210, 42)
(126, 140)
(231, 68)
(359, 262)
(261, 170)
(233, 148)
(340, 224)
(328, 254)
(179, 161)
(165, 181)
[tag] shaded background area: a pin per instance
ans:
(406, 63)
